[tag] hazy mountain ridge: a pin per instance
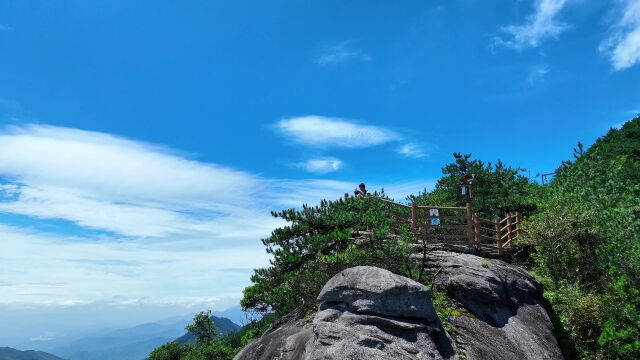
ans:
(133, 343)
(7, 353)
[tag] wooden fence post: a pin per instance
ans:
(498, 240)
(509, 238)
(476, 227)
(470, 224)
(414, 218)
(517, 224)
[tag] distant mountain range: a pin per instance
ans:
(7, 353)
(133, 343)
(234, 314)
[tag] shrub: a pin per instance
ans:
(566, 246)
(587, 237)
(319, 242)
(168, 351)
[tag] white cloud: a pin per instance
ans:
(623, 45)
(412, 150)
(323, 131)
(540, 25)
(161, 213)
(55, 270)
(339, 53)
(322, 165)
(110, 183)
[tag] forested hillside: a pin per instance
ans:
(587, 236)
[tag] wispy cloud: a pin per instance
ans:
(537, 73)
(77, 266)
(543, 23)
(322, 165)
(110, 183)
(320, 131)
(622, 47)
(412, 150)
(340, 53)
(151, 211)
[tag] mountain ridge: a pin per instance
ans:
(7, 353)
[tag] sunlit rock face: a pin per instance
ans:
(509, 319)
(370, 313)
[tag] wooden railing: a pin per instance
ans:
(456, 224)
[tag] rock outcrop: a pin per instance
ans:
(371, 313)
(509, 320)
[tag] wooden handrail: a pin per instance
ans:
(450, 217)
(505, 227)
(487, 237)
(486, 221)
(395, 203)
(502, 231)
(485, 228)
(498, 239)
(441, 207)
(448, 226)
(447, 236)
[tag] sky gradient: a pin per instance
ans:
(143, 144)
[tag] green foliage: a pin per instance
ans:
(566, 246)
(168, 351)
(221, 348)
(580, 314)
(215, 350)
(587, 238)
(447, 307)
(497, 188)
(319, 242)
(203, 327)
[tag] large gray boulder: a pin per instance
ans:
(370, 313)
(509, 319)
(371, 290)
(287, 341)
(365, 313)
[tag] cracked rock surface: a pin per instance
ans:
(365, 313)
(509, 319)
(370, 313)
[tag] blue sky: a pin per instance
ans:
(142, 144)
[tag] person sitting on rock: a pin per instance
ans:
(361, 191)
